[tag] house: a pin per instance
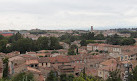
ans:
(63, 51)
(82, 50)
(31, 53)
(12, 54)
(104, 47)
(76, 43)
(16, 65)
(43, 54)
(33, 63)
(122, 67)
(60, 59)
(44, 62)
(7, 34)
(64, 45)
(128, 53)
(128, 56)
(67, 69)
(105, 67)
(2, 55)
(1, 68)
(38, 76)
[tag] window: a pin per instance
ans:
(46, 64)
(32, 65)
(91, 65)
(121, 58)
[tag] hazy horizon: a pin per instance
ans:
(67, 14)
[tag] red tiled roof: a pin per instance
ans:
(59, 59)
(7, 34)
(32, 62)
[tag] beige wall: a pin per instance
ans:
(103, 74)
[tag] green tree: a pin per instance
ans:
(71, 50)
(133, 75)
(83, 77)
(83, 43)
(88, 36)
(15, 37)
(114, 76)
(43, 43)
(70, 77)
(134, 34)
(63, 77)
(128, 41)
(68, 38)
(23, 45)
(23, 77)
(5, 71)
(3, 44)
(54, 43)
(52, 76)
(1, 37)
(100, 37)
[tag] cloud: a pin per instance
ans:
(67, 14)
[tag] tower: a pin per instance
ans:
(91, 28)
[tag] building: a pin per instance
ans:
(7, 34)
(33, 63)
(105, 67)
(91, 28)
(16, 65)
(44, 62)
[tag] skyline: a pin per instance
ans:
(68, 14)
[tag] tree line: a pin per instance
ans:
(18, 43)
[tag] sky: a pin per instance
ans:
(67, 14)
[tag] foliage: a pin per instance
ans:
(52, 76)
(84, 77)
(3, 44)
(100, 37)
(15, 37)
(133, 75)
(54, 52)
(71, 50)
(18, 43)
(128, 41)
(114, 76)
(134, 34)
(54, 44)
(23, 45)
(42, 43)
(65, 77)
(88, 36)
(1, 37)
(117, 40)
(38, 32)
(90, 41)
(5, 71)
(83, 43)
(23, 77)
(68, 38)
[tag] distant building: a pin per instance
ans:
(7, 34)
(91, 28)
